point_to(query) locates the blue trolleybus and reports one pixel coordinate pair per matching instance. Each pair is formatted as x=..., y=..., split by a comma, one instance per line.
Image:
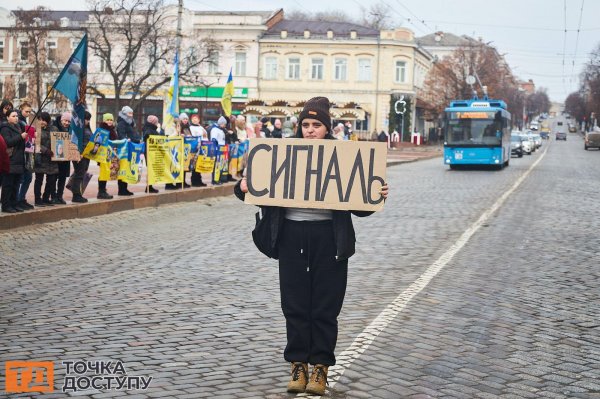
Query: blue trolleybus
x=477, y=132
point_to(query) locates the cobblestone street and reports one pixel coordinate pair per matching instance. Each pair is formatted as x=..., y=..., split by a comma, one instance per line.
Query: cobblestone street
x=180, y=293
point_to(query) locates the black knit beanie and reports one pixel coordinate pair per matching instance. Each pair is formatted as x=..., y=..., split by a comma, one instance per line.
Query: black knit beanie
x=316, y=108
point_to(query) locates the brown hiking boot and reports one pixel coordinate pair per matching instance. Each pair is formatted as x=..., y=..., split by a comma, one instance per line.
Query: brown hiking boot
x=299, y=377
x=318, y=380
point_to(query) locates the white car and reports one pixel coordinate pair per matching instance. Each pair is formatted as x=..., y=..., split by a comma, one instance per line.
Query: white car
x=528, y=144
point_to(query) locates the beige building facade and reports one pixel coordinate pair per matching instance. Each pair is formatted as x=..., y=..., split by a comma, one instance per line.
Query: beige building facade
x=361, y=70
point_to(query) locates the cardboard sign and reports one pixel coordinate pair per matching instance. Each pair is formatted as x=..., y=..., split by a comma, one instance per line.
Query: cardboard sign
x=325, y=174
x=63, y=148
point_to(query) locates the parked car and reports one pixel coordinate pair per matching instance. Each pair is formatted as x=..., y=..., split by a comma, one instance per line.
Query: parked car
x=527, y=144
x=537, y=139
x=592, y=139
x=561, y=136
x=516, y=145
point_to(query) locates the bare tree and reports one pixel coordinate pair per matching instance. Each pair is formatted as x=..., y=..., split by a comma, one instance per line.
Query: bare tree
x=377, y=16
x=447, y=79
x=324, y=16
x=40, y=67
x=136, y=43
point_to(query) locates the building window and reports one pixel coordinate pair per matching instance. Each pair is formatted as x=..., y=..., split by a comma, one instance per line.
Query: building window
x=102, y=65
x=51, y=50
x=213, y=63
x=364, y=69
x=22, y=90
x=1, y=90
x=24, y=51
x=240, y=63
x=293, y=70
x=400, y=72
x=1, y=50
x=317, y=69
x=271, y=68
x=341, y=69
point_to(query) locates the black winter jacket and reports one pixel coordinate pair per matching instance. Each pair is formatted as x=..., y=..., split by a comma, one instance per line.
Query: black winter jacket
x=343, y=229
x=127, y=131
x=150, y=129
x=12, y=136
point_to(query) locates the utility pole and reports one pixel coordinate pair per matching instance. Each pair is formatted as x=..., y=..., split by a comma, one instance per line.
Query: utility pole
x=179, y=17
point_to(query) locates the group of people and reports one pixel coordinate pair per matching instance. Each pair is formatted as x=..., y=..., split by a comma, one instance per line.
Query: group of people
x=19, y=161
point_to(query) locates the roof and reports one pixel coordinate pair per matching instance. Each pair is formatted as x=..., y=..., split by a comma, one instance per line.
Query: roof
x=51, y=15
x=297, y=27
x=444, y=39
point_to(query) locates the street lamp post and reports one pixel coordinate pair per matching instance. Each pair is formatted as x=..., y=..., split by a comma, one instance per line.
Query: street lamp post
x=206, y=86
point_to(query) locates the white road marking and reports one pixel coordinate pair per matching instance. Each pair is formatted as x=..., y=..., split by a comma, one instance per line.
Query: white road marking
x=364, y=339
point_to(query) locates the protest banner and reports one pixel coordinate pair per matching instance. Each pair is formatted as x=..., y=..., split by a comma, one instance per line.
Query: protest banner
x=325, y=174
x=236, y=156
x=190, y=150
x=63, y=148
x=221, y=165
x=129, y=158
x=97, y=148
x=165, y=159
x=109, y=169
x=206, y=157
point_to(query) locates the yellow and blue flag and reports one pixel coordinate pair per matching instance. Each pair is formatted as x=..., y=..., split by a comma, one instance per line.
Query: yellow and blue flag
x=171, y=110
x=227, y=95
x=72, y=83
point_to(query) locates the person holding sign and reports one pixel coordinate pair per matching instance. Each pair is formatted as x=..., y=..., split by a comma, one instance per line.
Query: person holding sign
x=313, y=247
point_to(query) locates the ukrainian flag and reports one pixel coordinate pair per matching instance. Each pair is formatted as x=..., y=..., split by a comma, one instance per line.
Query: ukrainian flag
x=227, y=95
x=171, y=101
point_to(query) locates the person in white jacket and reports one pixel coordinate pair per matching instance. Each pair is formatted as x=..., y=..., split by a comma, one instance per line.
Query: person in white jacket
x=218, y=132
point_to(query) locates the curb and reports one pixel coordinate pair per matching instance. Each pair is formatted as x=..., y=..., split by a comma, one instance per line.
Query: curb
x=103, y=207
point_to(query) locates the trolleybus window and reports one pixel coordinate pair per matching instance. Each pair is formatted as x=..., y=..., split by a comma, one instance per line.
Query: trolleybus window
x=467, y=128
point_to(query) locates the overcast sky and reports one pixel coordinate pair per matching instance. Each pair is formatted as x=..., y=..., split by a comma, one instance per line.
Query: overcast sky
x=531, y=33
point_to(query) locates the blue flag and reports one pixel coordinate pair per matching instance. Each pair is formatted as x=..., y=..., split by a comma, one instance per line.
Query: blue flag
x=72, y=83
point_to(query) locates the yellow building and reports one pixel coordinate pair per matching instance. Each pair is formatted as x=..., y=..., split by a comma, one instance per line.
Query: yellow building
x=363, y=71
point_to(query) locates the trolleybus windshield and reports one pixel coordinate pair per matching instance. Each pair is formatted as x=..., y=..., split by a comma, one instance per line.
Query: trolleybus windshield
x=473, y=129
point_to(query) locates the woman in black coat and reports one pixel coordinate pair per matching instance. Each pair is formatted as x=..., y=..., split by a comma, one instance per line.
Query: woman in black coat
x=313, y=247
x=15, y=143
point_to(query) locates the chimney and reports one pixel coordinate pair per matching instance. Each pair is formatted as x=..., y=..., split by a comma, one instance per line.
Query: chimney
x=284, y=34
x=306, y=33
x=329, y=34
x=353, y=34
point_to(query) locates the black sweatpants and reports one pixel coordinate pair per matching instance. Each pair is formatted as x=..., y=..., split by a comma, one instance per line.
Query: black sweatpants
x=312, y=285
x=79, y=170
x=49, y=189
x=10, y=188
x=64, y=170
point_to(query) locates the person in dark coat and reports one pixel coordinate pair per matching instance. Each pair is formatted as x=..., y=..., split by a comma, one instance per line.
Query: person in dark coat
x=313, y=247
x=4, y=160
x=80, y=168
x=108, y=124
x=27, y=176
x=64, y=167
x=265, y=128
x=277, y=133
x=150, y=128
x=126, y=125
x=5, y=106
x=15, y=143
x=126, y=130
x=45, y=167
